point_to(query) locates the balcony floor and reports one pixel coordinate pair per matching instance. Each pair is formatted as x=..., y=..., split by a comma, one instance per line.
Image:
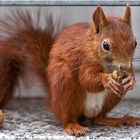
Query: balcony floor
x=29, y=118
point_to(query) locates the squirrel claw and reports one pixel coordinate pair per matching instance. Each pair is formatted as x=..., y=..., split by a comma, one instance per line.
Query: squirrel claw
x=114, y=81
x=76, y=130
x=115, y=90
x=112, y=85
x=131, y=120
x=126, y=80
x=128, y=83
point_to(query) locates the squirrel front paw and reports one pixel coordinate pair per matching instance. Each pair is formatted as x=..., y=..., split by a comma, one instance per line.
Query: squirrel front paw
x=128, y=83
x=112, y=84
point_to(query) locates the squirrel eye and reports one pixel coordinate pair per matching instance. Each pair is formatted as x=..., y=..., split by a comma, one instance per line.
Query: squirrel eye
x=105, y=46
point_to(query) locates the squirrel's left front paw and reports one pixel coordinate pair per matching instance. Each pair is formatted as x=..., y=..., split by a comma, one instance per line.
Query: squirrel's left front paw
x=128, y=83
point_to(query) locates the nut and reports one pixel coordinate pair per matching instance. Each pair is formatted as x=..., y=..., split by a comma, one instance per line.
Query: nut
x=118, y=76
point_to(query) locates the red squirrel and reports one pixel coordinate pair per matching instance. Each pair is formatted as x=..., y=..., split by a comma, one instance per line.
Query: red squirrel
x=76, y=65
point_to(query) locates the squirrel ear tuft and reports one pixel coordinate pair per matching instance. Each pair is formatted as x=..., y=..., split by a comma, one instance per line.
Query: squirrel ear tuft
x=127, y=15
x=99, y=19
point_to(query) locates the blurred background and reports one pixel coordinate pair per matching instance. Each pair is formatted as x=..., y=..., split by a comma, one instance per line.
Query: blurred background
x=71, y=15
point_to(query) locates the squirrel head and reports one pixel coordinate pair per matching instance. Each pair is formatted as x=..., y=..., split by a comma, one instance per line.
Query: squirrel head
x=113, y=41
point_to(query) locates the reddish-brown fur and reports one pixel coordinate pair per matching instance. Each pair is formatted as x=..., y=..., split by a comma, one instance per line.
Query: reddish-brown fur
x=23, y=46
x=75, y=65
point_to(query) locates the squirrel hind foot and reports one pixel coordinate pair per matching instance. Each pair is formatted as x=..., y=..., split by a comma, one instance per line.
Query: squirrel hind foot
x=75, y=129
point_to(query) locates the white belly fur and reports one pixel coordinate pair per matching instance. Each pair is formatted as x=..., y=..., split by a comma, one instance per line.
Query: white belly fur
x=93, y=103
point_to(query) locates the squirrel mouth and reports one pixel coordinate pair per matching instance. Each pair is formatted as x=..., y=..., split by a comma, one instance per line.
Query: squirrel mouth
x=109, y=68
x=110, y=65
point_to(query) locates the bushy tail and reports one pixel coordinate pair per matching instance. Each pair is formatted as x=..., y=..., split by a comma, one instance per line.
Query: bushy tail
x=23, y=44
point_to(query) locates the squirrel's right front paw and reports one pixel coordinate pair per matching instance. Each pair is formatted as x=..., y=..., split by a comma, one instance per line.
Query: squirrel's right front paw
x=111, y=84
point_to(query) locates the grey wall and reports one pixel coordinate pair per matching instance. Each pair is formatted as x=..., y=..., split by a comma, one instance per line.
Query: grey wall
x=81, y=14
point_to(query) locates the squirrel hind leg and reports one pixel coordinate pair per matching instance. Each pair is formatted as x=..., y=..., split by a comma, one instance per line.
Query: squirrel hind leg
x=126, y=120
x=66, y=98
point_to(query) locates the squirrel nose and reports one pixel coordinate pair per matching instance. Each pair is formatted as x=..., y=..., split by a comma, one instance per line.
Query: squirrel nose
x=124, y=67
